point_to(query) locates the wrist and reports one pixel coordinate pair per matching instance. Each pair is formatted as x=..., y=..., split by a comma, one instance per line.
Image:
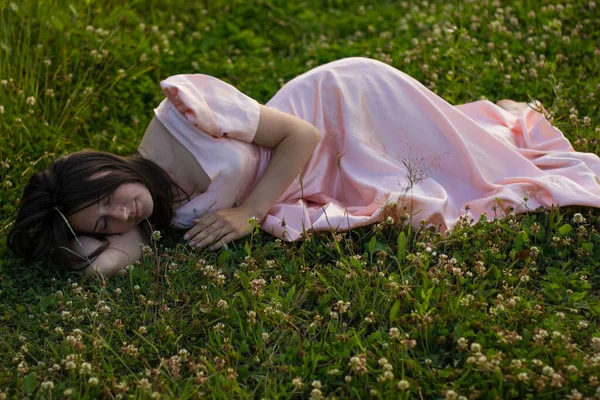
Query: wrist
x=253, y=211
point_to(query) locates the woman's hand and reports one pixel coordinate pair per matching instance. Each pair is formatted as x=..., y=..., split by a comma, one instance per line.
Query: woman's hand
x=220, y=227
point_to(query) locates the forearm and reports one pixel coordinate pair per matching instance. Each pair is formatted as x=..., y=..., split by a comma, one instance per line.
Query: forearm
x=286, y=162
x=123, y=250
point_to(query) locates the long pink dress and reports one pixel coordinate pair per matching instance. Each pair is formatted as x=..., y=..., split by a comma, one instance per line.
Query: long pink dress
x=375, y=121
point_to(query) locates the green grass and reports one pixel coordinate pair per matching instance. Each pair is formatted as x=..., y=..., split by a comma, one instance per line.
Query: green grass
x=507, y=308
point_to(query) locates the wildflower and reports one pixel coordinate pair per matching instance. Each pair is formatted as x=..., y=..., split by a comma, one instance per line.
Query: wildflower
x=144, y=384
x=523, y=376
x=257, y=286
x=462, y=343
x=30, y=101
x=251, y=317
x=68, y=392
x=85, y=369
x=93, y=381
x=386, y=376
x=578, y=218
x=403, y=385
x=359, y=364
x=222, y=304
x=1, y=109
x=297, y=382
x=156, y=236
x=142, y=330
x=557, y=380
x=450, y=395
x=48, y=385
x=547, y=370
x=475, y=347
x=316, y=394
x=147, y=250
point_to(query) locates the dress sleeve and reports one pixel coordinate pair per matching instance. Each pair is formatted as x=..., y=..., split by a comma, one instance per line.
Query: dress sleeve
x=213, y=106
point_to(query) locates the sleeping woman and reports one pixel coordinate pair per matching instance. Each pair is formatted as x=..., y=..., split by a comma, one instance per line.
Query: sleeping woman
x=331, y=151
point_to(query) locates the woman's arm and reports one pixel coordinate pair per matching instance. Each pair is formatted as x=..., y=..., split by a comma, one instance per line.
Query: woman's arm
x=294, y=140
x=123, y=250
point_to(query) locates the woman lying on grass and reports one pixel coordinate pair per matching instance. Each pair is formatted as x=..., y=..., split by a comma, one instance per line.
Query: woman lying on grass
x=332, y=150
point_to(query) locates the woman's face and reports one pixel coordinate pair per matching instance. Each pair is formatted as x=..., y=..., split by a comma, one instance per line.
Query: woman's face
x=119, y=212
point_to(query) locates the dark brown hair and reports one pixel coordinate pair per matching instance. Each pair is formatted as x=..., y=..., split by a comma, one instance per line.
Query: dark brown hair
x=40, y=230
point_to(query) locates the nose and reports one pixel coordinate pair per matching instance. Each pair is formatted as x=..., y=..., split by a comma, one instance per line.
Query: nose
x=121, y=213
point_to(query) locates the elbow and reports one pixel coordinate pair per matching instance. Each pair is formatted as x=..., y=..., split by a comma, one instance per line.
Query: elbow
x=316, y=135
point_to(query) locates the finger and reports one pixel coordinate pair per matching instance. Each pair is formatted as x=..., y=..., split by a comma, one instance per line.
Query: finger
x=212, y=238
x=199, y=233
x=204, y=217
x=223, y=241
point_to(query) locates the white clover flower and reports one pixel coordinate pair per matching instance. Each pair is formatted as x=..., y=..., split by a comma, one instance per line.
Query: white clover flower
x=547, y=370
x=144, y=384
x=1, y=109
x=450, y=395
x=578, y=218
x=222, y=304
x=523, y=376
x=85, y=369
x=93, y=381
x=30, y=101
x=48, y=385
x=316, y=394
x=403, y=385
x=297, y=382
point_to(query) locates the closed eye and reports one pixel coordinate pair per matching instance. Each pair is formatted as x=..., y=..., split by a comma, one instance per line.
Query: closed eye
x=106, y=219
